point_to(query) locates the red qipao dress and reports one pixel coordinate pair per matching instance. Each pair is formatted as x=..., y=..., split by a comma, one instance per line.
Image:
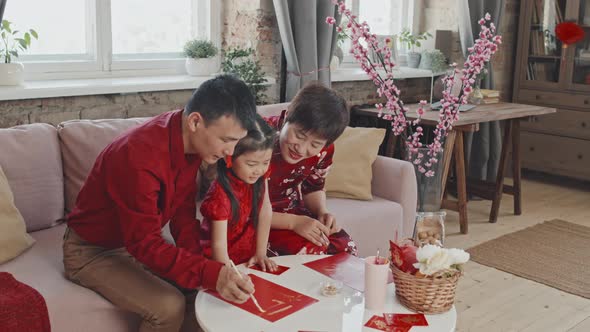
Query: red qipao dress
x=287, y=185
x=241, y=234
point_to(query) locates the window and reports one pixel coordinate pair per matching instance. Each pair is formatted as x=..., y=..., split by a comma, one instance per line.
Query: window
x=385, y=17
x=101, y=38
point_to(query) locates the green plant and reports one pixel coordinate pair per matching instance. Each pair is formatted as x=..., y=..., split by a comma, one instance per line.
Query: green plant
x=239, y=61
x=341, y=36
x=411, y=40
x=434, y=60
x=199, y=49
x=12, y=42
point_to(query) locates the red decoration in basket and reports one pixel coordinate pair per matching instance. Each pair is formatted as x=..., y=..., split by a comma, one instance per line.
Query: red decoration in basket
x=403, y=256
x=569, y=32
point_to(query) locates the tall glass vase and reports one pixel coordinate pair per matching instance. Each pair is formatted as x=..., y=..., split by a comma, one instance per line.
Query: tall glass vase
x=429, y=225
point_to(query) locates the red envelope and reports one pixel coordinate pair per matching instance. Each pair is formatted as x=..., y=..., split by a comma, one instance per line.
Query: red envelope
x=405, y=319
x=378, y=322
x=276, y=300
x=344, y=267
x=279, y=271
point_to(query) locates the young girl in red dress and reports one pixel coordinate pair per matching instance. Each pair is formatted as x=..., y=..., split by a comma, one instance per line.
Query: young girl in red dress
x=236, y=210
x=301, y=222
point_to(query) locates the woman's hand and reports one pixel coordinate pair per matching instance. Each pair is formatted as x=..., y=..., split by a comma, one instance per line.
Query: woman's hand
x=330, y=222
x=312, y=230
x=265, y=263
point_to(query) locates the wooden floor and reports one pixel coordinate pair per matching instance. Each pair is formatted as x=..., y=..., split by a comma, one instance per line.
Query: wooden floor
x=492, y=300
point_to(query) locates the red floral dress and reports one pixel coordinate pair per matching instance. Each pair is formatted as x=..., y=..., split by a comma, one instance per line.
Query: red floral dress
x=287, y=185
x=241, y=235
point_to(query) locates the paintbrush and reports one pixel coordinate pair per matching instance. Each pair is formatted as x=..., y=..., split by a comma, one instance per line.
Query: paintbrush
x=251, y=295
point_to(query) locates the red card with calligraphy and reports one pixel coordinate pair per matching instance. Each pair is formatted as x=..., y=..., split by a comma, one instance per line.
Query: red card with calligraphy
x=378, y=322
x=279, y=271
x=277, y=301
x=344, y=267
x=405, y=319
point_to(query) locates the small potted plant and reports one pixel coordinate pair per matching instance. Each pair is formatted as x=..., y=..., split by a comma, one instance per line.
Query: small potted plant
x=11, y=43
x=411, y=42
x=201, y=57
x=240, y=62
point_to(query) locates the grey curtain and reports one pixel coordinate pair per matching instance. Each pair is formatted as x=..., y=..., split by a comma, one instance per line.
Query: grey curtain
x=483, y=147
x=308, y=41
x=2, y=6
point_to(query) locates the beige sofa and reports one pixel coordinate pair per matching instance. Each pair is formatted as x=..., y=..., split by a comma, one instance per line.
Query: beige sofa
x=46, y=167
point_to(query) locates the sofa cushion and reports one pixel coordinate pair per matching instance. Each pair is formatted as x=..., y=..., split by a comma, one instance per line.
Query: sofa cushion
x=371, y=224
x=13, y=231
x=81, y=142
x=351, y=172
x=31, y=160
x=71, y=307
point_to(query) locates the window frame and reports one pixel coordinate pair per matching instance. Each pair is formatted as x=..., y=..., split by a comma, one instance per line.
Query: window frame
x=99, y=62
x=411, y=21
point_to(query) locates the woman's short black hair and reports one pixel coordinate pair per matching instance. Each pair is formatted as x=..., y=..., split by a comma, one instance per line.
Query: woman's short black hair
x=319, y=110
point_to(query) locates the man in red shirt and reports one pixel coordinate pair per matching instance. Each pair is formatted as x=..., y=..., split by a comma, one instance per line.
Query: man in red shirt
x=140, y=182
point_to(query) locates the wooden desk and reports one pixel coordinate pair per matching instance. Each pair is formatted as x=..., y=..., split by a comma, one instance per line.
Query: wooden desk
x=469, y=122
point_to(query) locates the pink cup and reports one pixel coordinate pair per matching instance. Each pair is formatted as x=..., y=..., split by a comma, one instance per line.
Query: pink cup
x=376, y=282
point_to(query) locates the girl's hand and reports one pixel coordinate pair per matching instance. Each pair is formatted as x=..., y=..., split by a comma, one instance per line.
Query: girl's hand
x=312, y=230
x=265, y=263
x=329, y=221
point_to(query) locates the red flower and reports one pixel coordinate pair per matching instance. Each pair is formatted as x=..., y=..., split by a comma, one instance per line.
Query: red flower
x=569, y=32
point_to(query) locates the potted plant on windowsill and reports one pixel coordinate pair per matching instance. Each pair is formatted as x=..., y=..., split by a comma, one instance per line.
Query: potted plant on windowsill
x=11, y=43
x=201, y=58
x=411, y=42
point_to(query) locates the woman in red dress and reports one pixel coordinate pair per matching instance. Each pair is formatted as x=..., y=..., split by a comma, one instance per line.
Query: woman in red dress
x=236, y=210
x=301, y=222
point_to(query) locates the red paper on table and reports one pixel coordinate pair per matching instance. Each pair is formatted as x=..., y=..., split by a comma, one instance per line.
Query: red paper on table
x=405, y=319
x=276, y=300
x=344, y=267
x=279, y=271
x=378, y=322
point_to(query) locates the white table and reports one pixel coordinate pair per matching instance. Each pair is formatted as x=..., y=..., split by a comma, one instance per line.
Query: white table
x=343, y=313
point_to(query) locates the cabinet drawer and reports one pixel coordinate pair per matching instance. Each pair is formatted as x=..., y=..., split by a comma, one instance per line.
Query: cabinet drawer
x=563, y=99
x=568, y=123
x=555, y=154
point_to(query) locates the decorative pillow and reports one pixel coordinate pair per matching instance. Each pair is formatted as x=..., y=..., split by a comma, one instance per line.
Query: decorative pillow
x=13, y=232
x=81, y=142
x=31, y=160
x=352, y=168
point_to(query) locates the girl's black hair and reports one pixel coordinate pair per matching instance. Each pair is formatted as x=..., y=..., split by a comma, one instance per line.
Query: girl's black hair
x=261, y=137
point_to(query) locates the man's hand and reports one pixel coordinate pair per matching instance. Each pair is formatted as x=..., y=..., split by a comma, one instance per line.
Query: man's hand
x=233, y=286
x=329, y=221
x=312, y=230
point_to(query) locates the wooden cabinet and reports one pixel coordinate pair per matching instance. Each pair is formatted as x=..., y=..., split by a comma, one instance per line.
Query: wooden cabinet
x=551, y=74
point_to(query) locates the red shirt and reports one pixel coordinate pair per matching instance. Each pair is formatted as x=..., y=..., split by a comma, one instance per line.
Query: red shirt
x=241, y=235
x=138, y=183
x=289, y=182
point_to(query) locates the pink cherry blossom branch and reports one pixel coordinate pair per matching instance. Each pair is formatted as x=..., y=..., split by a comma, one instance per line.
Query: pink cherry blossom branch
x=394, y=109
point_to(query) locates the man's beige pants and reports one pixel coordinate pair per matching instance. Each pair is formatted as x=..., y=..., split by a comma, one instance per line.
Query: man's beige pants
x=126, y=283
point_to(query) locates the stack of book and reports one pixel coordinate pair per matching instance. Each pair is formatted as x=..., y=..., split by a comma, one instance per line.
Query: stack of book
x=490, y=96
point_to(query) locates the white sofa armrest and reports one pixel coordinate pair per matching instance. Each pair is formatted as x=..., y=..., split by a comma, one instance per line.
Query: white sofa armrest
x=395, y=180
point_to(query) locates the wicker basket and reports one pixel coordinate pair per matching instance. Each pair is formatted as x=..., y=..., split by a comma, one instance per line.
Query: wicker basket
x=425, y=295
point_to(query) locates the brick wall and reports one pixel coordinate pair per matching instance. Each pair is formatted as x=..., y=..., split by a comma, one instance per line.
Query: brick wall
x=365, y=92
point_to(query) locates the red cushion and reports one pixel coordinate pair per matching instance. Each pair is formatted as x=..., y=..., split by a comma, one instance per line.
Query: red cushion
x=22, y=308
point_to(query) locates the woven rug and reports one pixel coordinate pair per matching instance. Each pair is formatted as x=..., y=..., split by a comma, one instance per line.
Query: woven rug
x=555, y=253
